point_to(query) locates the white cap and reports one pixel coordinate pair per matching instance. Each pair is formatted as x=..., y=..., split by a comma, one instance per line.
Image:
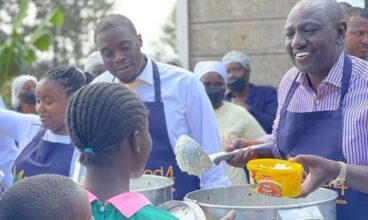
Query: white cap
x=237, y=57
x=16, y=87
x=204, y=67
x=93, y=60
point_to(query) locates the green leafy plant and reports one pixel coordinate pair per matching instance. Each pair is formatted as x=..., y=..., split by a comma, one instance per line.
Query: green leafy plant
x=17, y=51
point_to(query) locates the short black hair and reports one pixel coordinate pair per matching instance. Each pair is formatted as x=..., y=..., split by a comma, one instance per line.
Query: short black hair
x=346, y=9
x=42, y=197
x=359, y=12
x=70, y=78
x=100, y=116
x=112, y=21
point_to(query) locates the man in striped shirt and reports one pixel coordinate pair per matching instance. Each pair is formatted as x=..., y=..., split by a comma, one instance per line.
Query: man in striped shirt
x=323, y=100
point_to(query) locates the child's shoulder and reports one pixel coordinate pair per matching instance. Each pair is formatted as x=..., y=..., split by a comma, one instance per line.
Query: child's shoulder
x=153, y=213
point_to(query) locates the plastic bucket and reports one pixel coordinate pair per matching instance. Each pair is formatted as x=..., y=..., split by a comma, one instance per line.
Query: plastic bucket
x=275, y=177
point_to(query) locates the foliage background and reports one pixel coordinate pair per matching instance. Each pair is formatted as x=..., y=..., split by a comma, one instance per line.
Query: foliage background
x=71, y=42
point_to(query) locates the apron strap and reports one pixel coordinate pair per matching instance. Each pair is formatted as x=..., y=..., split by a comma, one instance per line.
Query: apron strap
x=290, y=94
x=157, y=82
x=346, y=76
x=39, y=135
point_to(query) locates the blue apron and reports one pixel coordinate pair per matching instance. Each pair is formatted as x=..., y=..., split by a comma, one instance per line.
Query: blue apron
x=40, y=157
x=320, y=133
x=162, y=160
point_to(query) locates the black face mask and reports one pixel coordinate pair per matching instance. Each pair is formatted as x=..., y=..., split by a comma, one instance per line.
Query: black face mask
x=236, y=84
x=28, y=97
x=216, y=95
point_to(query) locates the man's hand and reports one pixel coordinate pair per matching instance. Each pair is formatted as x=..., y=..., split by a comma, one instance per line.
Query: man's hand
x=242, y=157
x=230, y=216
x=321, y=170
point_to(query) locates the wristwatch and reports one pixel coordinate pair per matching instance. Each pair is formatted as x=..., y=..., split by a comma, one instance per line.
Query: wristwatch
x=340, y=179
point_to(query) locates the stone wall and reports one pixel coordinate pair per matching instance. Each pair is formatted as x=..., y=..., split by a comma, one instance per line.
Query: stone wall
x=255, y=27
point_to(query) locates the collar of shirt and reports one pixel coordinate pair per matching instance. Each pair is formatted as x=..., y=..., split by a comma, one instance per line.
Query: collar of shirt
x=56, y=138
x=145, y=76
x=334, y=77
x=127, y=203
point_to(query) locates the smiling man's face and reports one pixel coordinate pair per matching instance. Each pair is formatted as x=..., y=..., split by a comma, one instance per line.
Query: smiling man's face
x=312, y=39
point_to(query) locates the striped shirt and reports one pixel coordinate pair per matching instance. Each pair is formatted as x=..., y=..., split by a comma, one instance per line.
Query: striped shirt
x=327, y=97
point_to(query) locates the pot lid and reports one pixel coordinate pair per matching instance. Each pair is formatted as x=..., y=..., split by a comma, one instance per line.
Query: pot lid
x=184, y=210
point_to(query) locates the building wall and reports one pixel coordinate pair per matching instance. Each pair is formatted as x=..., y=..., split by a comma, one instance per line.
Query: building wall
x=256, y=27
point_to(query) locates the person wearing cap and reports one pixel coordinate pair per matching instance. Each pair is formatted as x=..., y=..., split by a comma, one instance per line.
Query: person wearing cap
x=94, y=64
x=233, y=120
x=260, y=101
x=23, y=94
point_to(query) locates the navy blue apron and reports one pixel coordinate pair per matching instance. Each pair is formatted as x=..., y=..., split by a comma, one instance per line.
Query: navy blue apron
x=162, y=160
x=320, y=133
x=40, y=157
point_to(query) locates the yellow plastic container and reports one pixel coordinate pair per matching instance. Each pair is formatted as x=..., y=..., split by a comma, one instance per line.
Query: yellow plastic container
x=275, y=177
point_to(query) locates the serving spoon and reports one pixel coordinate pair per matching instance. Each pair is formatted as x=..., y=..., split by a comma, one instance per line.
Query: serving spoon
x=191, y=157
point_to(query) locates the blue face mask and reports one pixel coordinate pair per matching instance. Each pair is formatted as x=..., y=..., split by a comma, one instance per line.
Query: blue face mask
x=28, y=97
x=236, y=84
x=216, y=95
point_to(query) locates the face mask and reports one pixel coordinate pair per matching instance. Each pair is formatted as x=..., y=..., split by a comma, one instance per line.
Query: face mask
x=236, y=84
x=28, y=97
x=216, y=95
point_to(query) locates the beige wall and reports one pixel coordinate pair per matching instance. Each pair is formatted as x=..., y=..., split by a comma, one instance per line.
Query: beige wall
x=256, y=27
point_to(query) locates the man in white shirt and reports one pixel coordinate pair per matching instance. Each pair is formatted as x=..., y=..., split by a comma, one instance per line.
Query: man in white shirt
x=8, y=153
x=176, y=101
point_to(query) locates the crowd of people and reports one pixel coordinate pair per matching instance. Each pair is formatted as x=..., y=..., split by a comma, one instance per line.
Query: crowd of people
x=120, y=118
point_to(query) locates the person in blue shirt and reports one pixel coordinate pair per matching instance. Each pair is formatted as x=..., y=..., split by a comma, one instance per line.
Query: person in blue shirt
x=260, y=101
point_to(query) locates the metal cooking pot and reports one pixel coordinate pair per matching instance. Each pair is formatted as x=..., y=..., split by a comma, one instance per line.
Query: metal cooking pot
x=157, y=189
x=217, y=202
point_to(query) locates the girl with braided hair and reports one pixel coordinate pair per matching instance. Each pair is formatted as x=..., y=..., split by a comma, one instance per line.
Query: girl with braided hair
x=109, y=126
x=44, y=145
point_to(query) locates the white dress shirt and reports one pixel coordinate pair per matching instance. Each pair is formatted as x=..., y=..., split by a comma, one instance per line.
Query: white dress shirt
x=8, y=153
x=187, y=111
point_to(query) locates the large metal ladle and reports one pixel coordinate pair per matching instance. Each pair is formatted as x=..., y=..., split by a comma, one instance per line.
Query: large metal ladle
x=192, y=159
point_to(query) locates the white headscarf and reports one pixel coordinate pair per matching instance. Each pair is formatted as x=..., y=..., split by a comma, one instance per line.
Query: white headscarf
x=204, y=67
x=93, y=60
x=237, y=57
x=16, y=87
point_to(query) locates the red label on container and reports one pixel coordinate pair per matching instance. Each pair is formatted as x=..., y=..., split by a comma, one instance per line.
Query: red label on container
x=269, y=188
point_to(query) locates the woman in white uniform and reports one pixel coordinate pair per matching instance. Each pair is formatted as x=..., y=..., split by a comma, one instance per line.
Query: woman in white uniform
x=232, y=120
x=22, y=94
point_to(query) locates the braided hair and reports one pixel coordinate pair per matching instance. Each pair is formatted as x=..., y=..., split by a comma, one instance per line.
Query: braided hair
x=100, y=116
x=69, y=78
x=112, y=21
